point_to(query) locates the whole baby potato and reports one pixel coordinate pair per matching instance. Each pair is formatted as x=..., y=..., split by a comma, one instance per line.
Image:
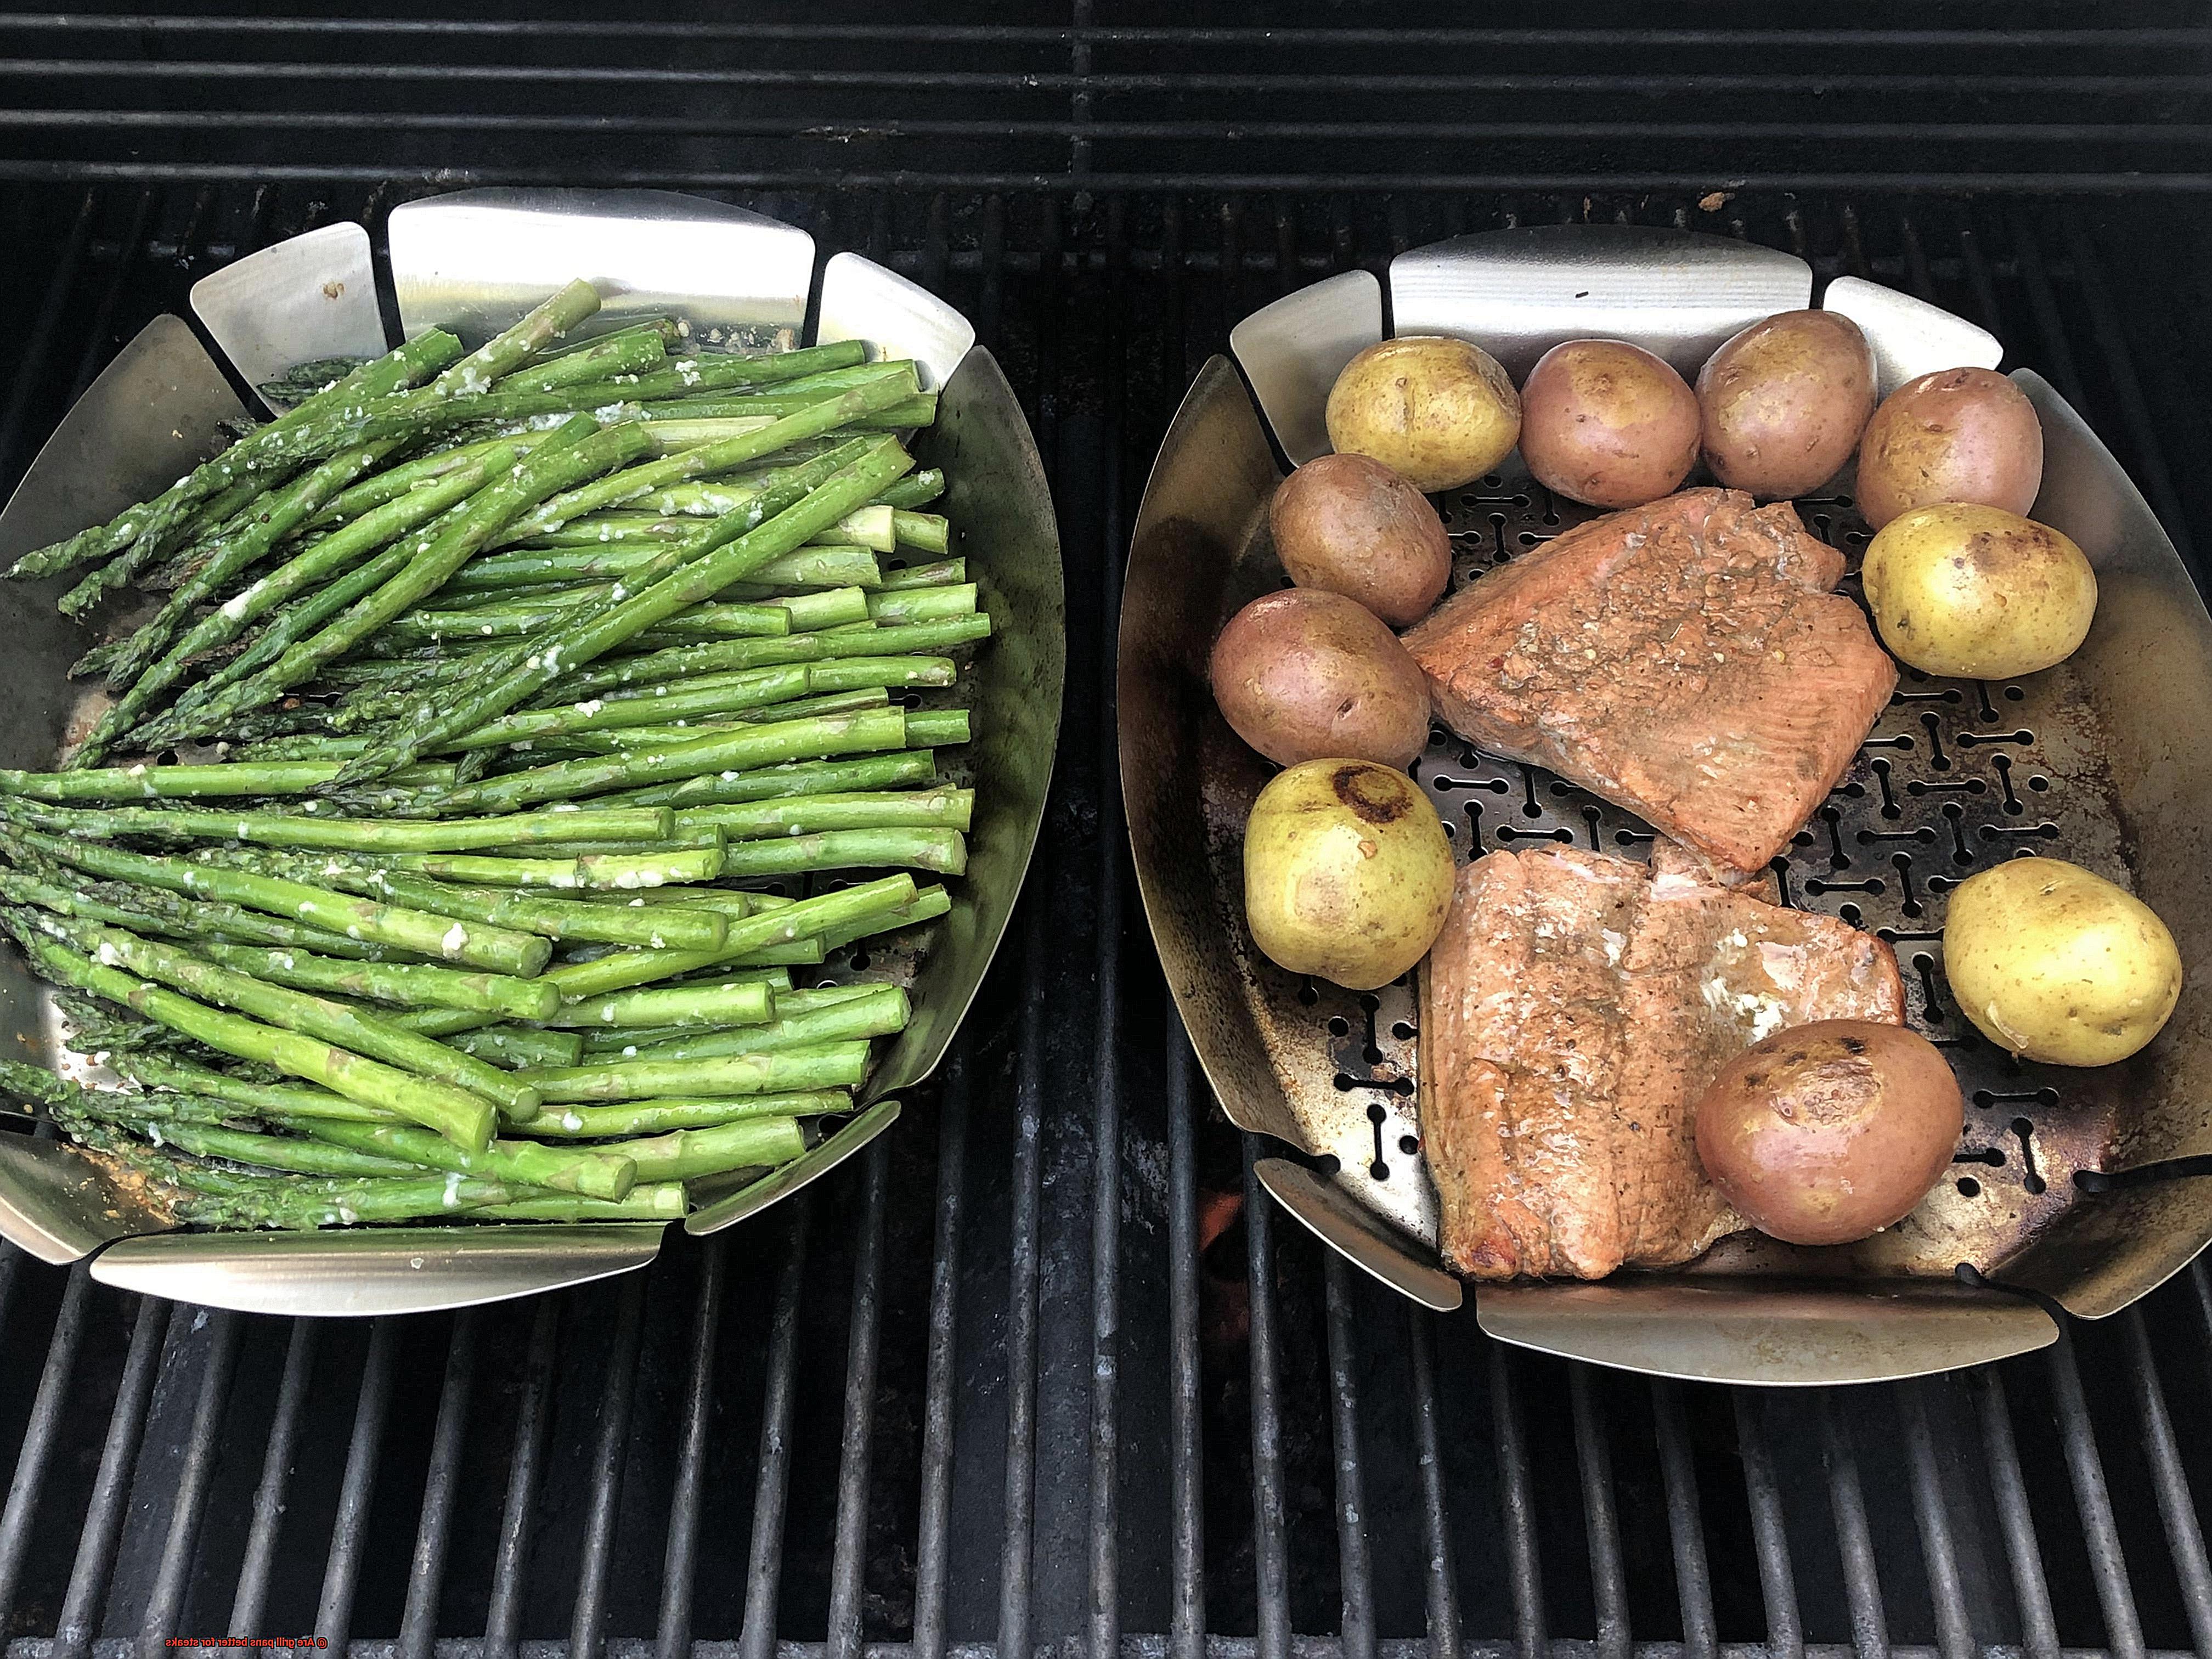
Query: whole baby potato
x=1978, y=591
x=1304, y=673
x=1959, y=435
x=1607, y=422
x=1347, y=874
x=1782, y=404
x=1826, y=1132
x=1438, y=412
x=1349, y=524
x=2058, y=964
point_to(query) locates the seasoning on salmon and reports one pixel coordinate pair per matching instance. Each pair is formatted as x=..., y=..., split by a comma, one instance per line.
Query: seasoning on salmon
x=1573, y=1010
x=1685, y=659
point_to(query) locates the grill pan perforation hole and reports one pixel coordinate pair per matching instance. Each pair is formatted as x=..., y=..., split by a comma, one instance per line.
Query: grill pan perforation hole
x=2024, y=1131
x=1969, y=1188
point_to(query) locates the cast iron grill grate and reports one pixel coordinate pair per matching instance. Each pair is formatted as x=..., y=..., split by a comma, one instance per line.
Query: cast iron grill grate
x=872, y=1418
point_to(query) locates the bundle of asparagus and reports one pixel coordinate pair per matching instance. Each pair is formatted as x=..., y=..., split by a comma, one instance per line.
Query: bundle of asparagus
x=529, y=666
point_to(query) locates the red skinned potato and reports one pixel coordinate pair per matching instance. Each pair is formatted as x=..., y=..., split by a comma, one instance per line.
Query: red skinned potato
x=1782, y=403
x=1608, y=423
x=1829, y=1132
x=1349, y=524
x=1308, y=675
x=1959, y=435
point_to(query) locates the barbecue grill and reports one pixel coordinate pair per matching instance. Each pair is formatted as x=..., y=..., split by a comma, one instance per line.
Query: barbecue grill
x=970, y=1392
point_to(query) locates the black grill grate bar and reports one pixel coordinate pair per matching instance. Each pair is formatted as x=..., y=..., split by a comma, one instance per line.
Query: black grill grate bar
x=1516, y=1503
x=1694, y=1583
x=1025, y=1242
x=587, y=1630
x=511, y=1555
x=2126, y=386
x=30, y=366
x=418, y=1620
x=2023, y=1552
x=1026, y=83
x=250, y=1595
x=94, y=356
x=1355, y=1571
x=1105, y=1628
x=1440, y=1582
x=41, y=1434
x=933, y=1533
x=1600, y=1519
x=1854, y=1539
x=1778, y=1580
x=848, y=1562
x=91, y=25
x=164, y=1605
x=2093, y=1501
x=357, y=1488
x=772, y=1482
x=1954, y=1636
x=111, y=1488
x=2184, y=1537
x=1271, y=1561
x=1187, y=1522
x=707, y=123
x=680, y=1561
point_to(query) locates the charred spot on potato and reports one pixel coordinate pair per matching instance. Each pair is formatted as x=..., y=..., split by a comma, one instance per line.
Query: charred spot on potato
x=1375, y=795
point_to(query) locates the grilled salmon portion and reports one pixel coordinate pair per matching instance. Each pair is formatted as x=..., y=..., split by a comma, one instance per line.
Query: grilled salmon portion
x=1685, y=659
x=1572, y=1011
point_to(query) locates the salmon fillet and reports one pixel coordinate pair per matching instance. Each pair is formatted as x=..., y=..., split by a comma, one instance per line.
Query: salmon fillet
x=1573, y=1010
x=1684, y=660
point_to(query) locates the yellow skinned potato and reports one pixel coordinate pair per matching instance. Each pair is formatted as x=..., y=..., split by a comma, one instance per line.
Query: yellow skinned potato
x=1347, y=874
x=2058, y=964
x=1438, y=411
x=1979, y=592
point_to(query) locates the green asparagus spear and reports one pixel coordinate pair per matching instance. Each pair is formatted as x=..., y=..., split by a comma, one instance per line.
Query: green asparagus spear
x=720, y=371
x=153, y=524
x=354, y=1029
x=269, y=1152
x=788, y=927
x=283, y=1102
x=407, y=984
x=663, y=1116
x=831, y=1066
x=550, y=467
x=149, y=910
x=496, y=949
x=601, y=1172
x=512, y=1046
x=511, y=347
x=807, y=815
x=942, y=851
x=938, y=574
x=145, y=782
x=766, y=744
x=740, y=1004
x=642, y=824
x=687, y=1154
x=658, y=1200
x=883, y=1011
x=329, y=556
x=697, y=571
x=536, y=913
x=770, y=783
x=462, y=1117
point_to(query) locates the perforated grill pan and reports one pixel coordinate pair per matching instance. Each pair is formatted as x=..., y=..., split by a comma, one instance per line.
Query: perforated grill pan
x=2058, y=1190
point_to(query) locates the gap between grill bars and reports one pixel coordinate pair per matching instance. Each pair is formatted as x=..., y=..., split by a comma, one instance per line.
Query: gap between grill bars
x=1038, y=1374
